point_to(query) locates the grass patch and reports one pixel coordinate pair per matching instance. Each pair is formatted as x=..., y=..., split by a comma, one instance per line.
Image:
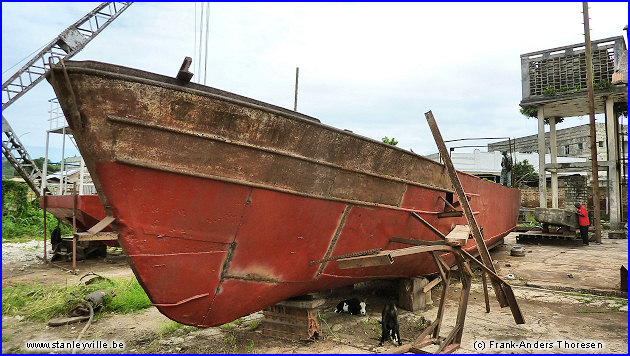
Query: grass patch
x=231, y=342
x=169, y=327
x=250, y=348
x=229, y=327
x=254, y=324
x=41, y=303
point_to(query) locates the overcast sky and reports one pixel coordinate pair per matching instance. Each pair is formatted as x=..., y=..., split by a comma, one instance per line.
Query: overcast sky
x=373, y=68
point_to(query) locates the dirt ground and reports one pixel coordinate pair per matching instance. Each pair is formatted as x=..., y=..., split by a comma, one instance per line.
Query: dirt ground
x=553, y=283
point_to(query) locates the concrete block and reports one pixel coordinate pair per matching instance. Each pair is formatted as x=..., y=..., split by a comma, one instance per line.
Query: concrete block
x=558, y=217
x=411, y=295
x=618, y=234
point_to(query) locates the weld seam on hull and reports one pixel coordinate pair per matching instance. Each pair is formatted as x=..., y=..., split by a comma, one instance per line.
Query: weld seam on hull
x=251, y=279
x=137, y=163
x=181, y=301
x=175, y=254
x=333, y=242
x=212, y=137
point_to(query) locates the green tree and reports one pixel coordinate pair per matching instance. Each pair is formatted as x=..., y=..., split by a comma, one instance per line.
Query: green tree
x=23, y=219
x=392, y=142
x=39, y=162
x=524, y=172
x=7, y=169
x=532, y=111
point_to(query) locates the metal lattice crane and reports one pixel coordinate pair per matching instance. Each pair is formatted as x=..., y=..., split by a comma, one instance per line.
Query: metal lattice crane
x=64, y=46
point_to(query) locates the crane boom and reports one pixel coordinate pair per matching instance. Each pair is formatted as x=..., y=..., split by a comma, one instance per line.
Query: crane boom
x=64, y=46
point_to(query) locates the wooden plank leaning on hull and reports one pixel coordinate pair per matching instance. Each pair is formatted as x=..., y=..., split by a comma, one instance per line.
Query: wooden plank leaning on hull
x=481, y=245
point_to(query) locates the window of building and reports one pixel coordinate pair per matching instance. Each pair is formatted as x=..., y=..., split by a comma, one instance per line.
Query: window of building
x=601, y=143
x=566, y=149
x=580, y=146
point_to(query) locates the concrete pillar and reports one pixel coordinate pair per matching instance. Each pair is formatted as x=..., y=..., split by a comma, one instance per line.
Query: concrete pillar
x=542, y=181
x=612, y=137
x=554, y=159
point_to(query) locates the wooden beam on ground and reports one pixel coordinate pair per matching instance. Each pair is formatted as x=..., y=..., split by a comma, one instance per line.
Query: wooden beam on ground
x=385, y=258
x=461, y=195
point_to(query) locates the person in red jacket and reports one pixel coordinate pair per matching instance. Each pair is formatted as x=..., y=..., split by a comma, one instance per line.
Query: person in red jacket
x=583, y=222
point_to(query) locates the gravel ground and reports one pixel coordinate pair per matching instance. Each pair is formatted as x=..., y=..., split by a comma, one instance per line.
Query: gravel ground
x=20, y=255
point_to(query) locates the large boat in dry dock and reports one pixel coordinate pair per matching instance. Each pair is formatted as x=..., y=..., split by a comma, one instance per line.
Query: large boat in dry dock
x=226, y=205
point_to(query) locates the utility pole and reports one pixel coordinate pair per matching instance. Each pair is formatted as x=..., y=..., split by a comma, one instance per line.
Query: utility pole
x=297, y=75
x=591, y=113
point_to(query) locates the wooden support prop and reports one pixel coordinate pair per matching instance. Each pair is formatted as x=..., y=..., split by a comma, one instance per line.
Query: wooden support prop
x=441, y=269
x=450, y=214
x=431, y=284
x=438, y=319
x=450, y=349
x=447, y=204
x=458, y=236
x=472, y=223
x=466, y=280
x=442, y=262
x=485, y=290
x=101, y=225
x=426, y=223
x=385, y=258
x=505, y=288
x=415, y=242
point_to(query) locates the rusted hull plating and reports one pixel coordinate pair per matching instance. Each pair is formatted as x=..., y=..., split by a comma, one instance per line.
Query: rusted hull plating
x=222, y=202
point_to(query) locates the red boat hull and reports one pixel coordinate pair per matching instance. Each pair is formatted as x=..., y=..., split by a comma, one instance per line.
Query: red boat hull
x=197, y=245
x=224, y=204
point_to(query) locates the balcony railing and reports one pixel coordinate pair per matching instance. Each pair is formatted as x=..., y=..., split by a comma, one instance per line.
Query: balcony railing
x=562, y=70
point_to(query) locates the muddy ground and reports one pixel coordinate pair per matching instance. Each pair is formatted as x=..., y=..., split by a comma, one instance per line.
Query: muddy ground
x=552, y=284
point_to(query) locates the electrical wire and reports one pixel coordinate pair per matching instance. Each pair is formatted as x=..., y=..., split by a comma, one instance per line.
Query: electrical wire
x=205, y=68
x=195, y=31
x=25, y=58
x=200, y=44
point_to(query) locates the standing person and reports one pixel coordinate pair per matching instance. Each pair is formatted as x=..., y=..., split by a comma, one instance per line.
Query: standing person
x=506, y=169
x=583, y=222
